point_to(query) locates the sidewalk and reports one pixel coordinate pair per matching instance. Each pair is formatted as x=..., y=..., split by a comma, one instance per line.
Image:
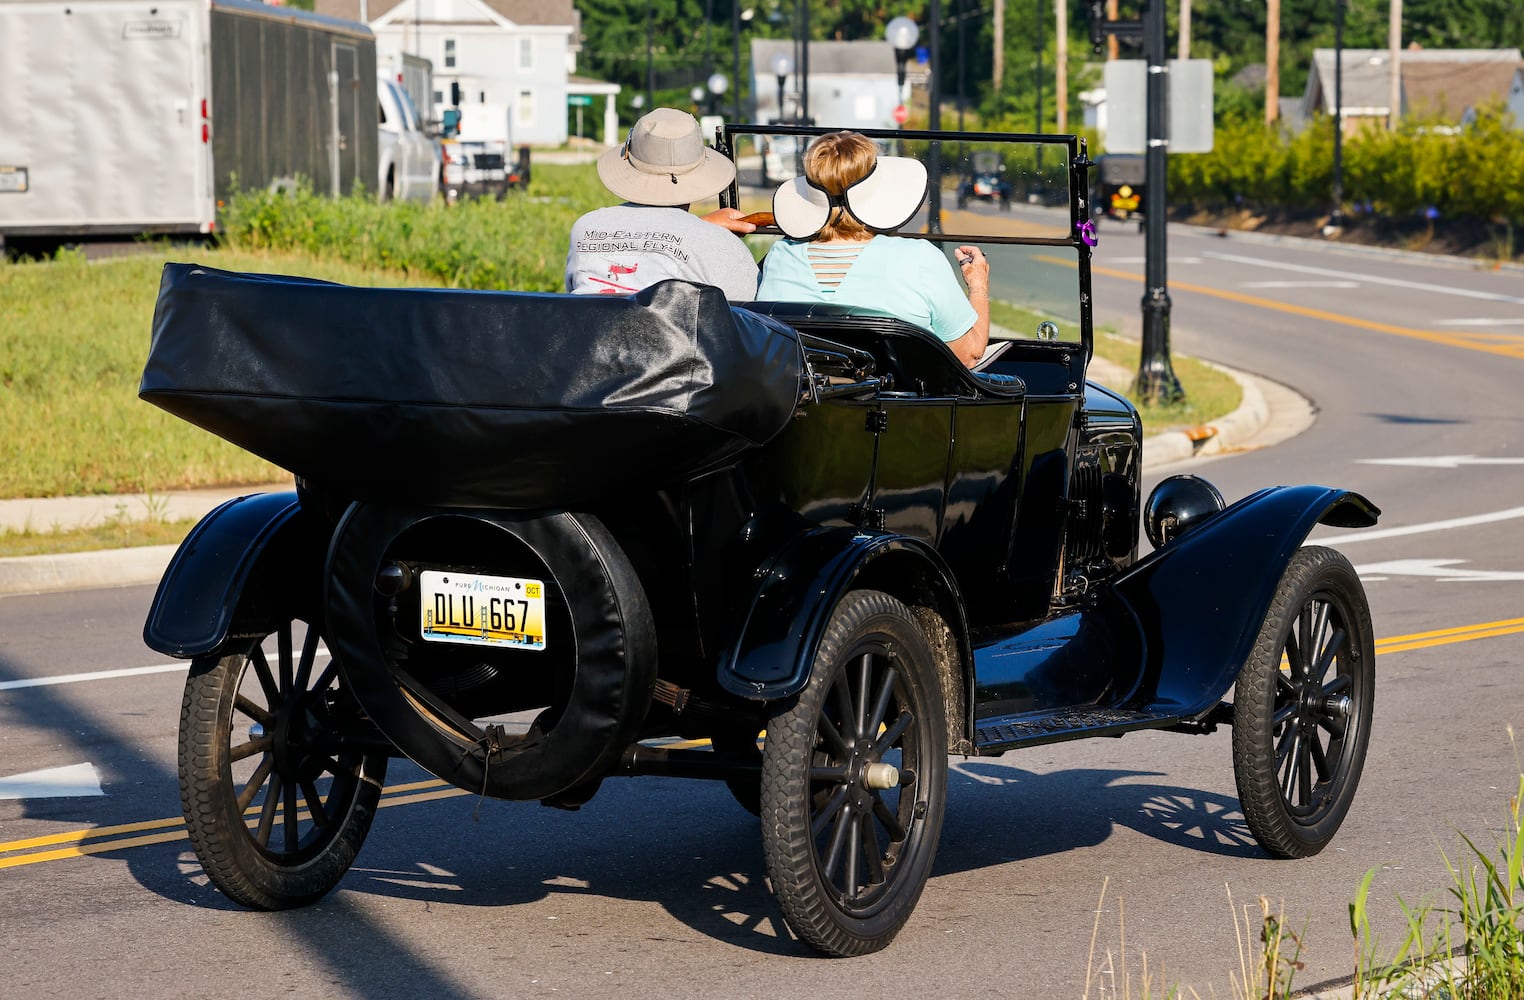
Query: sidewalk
x=1269, y=413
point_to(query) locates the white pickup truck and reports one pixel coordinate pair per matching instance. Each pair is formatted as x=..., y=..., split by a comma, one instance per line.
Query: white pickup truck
x=409, y=162
x=479, y=158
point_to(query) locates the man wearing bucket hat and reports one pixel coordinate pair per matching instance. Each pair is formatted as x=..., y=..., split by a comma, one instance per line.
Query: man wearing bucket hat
x=662, y=168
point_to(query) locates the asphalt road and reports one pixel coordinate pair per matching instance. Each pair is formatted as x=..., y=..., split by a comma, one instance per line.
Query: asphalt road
x=656, y=888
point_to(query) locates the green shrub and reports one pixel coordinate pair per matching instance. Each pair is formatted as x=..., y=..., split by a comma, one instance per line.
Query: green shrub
x=1475, y=173
x=517, y=243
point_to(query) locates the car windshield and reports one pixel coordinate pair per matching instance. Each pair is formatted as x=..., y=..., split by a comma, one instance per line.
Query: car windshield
x=1029, y=236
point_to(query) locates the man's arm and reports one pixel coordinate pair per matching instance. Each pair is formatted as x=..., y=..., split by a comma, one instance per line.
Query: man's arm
x=730, y=218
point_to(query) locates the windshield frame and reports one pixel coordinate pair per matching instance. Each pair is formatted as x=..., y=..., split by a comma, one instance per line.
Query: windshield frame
x=1079, y=164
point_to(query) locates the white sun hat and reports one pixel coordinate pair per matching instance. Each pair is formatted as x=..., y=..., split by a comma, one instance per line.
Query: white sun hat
x=665, y=162
x=883, y=200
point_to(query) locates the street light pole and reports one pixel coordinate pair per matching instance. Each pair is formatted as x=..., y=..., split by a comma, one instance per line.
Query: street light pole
x=782, y=66
x=901, y=33
x=717, y=86
x=934, y=121
x=1156, y=381
x=804, y=62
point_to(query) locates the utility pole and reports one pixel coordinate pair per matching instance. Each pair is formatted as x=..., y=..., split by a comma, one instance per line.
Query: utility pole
x=1336, y=217
x=1394, y=56
x=1040, y=46
x=999, y=50
x=1273, y=62
x=1156, y=381
x=1061, y=33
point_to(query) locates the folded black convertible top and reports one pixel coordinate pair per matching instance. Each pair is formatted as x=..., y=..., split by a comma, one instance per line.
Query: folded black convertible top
x=431, y=396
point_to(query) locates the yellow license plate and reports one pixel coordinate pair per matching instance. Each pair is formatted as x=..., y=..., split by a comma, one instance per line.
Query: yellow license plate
x=501, y=611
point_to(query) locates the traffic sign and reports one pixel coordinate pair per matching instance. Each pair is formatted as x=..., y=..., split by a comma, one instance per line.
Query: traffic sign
x=901, y=115
x=579, y=100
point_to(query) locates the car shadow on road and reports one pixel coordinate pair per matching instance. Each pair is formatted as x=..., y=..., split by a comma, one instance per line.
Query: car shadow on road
x=1038, y=814
x=689, y=848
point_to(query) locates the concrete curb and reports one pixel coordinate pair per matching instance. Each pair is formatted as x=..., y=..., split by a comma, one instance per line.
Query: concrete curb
x=1269, y=413
x=84, y=570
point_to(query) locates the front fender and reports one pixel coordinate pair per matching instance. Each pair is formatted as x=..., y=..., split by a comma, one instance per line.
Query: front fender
x=797, y=590
x=198, y=601
x=1198, y=603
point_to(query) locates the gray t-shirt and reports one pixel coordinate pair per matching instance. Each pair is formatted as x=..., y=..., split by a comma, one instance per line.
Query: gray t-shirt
x=624, y=248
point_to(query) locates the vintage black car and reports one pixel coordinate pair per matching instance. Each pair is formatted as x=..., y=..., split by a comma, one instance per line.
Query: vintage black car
x=984, y=180
x=535, y=539
x=1117, y=187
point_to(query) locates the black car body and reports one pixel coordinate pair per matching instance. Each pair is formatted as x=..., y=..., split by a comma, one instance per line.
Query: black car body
x=543, y=536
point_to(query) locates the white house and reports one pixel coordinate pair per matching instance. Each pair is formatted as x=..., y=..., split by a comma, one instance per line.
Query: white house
x=513, y=54
x=851, y=84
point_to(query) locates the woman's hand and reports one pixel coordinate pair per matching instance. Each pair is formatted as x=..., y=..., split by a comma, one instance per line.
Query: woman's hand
x=976, y=269
x=731, y=219
x=969, y=348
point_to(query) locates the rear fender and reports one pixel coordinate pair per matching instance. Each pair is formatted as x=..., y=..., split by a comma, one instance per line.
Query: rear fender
x=235, y=566
x=1198, y=603
x=798, y=589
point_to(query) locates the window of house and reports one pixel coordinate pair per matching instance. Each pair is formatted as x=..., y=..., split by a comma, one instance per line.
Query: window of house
x=526, y=107
x=526, y=53
x=449, y=59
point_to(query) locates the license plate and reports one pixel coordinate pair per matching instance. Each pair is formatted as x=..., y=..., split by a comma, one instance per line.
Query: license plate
x=13, y=180
x=982, y=189
x=505, y=612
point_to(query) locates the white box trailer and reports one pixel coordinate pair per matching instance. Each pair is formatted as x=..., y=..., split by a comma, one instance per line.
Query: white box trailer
x=122, y=117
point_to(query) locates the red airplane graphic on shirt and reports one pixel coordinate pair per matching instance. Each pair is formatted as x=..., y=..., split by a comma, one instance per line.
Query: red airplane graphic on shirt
x=615, y=271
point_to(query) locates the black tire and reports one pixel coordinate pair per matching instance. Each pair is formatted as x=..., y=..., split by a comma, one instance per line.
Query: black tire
x=1300, y=731
x=263, y=741
x=389, y=189
x=848, y=861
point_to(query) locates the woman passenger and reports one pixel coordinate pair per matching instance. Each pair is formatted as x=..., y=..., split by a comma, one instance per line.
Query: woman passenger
x=847, y=262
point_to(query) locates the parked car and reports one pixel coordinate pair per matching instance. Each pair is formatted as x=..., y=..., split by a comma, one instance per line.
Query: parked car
x=410, y=160
x=537, y=569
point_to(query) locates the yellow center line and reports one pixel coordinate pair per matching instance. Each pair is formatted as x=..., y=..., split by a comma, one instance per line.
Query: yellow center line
x=433, y=789
x=1513, y=349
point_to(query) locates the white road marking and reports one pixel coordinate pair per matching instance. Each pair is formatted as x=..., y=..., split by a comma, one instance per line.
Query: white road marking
x=96, y=675
x=73, y=781
x=1435, y=568
x=1374, y=279
x=1419, y=529
x=1441, y=461
x=1480, y=322
x=110, y=675
x=1299, y=284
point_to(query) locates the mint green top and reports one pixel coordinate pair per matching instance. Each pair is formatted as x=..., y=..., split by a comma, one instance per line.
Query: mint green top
x=906, y=278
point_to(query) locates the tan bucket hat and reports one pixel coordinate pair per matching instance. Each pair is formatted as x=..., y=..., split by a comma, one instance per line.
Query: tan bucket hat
x=665, y=162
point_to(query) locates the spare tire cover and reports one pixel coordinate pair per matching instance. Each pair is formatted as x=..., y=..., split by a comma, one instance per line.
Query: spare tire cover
x=614, y=657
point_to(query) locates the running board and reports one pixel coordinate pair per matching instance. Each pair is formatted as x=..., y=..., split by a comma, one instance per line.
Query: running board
x=996, y=735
